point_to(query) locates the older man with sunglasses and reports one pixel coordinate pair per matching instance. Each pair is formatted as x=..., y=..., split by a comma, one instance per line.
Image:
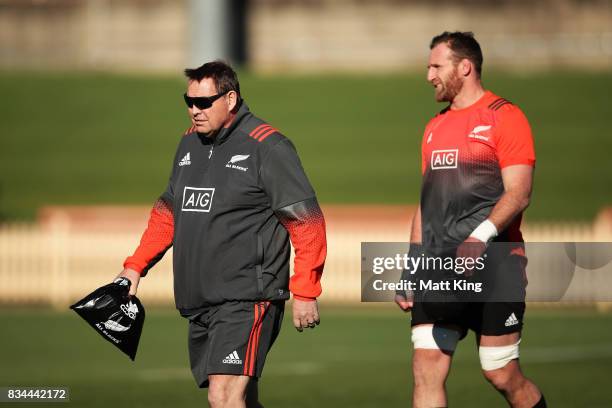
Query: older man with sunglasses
x=237, y=194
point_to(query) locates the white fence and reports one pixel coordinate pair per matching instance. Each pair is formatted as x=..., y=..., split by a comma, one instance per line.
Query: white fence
x=56, y=264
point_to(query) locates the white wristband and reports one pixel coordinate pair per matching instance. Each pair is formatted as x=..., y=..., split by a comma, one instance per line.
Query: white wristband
x=485, y=231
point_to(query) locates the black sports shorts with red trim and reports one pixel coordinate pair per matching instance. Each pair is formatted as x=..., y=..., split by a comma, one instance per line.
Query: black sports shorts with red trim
x=233, y=338
x=502, y=311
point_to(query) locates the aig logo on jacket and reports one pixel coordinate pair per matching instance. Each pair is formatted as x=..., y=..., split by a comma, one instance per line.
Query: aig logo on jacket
x=197, y=199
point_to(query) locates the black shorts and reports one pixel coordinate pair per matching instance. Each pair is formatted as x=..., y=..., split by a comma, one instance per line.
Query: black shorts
x=233, y=338
x=487, y=318
x=501, y=310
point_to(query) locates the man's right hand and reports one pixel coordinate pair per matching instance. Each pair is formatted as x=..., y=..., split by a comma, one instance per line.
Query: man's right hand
x=134, y=278
x=305, y=314
x=404, y=303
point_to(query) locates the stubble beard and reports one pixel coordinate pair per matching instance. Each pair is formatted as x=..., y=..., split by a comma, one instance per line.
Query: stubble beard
x=450, y=88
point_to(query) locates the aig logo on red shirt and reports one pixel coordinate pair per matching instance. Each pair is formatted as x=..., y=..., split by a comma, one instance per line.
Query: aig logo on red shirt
x=444, y=159
x=197, y=199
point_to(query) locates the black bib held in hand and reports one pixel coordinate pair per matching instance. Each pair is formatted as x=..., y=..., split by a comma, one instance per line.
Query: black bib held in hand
x=113, y=313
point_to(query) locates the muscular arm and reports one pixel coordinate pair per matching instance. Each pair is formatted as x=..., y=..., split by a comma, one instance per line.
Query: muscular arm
x=518, y=181
x=516, y=156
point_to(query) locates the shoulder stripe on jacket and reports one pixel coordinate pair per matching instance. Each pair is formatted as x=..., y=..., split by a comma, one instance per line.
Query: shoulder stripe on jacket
x=268, y=133
x=259, y=130
x=262, y=131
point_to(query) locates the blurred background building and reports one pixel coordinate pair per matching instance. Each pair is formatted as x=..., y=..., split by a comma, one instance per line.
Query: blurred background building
x=307, y=35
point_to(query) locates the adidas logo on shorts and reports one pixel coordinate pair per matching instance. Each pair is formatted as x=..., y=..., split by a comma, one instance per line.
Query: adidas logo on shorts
x=232, y=358
x=511, y=320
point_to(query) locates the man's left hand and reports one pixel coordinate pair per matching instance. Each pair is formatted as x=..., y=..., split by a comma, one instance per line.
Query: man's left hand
x=305, y=314
x=471, y=248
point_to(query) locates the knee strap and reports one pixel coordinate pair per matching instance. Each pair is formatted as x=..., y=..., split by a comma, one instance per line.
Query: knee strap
x=494, y=357
x=435, y=337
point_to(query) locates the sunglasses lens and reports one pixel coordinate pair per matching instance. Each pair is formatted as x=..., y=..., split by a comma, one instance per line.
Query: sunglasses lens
x=202, y=103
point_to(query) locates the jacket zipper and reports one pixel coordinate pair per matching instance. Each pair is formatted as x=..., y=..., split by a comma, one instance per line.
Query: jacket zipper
x=210, y=153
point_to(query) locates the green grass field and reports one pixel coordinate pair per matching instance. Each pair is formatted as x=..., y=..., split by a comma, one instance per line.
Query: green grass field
x=358, y=357
x=77, y=138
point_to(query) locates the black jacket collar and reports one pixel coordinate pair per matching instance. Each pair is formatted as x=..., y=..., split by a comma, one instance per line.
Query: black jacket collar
x=224, y=134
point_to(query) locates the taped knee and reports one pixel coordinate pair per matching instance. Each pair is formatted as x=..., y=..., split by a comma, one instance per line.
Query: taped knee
x=436, y=338
x=494, y=357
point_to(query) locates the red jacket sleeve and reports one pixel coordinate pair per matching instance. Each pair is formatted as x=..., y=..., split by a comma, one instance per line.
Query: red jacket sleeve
x=156, y=239
x=306, y=226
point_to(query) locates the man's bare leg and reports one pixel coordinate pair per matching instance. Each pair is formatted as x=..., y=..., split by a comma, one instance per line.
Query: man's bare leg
x=232, y=391
x=517, y=389
x=430, y=367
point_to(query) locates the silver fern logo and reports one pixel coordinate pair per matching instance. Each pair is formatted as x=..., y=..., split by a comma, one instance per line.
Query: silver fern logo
x=235, y=159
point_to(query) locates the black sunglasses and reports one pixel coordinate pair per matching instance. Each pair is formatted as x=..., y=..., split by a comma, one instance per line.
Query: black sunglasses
x=202, y=102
